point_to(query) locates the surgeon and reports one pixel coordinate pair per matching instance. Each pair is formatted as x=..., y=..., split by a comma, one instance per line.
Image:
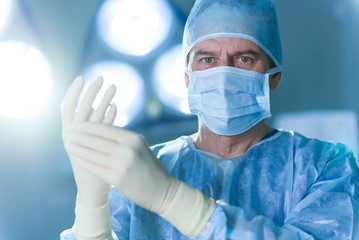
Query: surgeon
x=236, y=178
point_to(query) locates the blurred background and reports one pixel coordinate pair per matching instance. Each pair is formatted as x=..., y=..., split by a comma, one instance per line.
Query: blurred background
x=136, y=44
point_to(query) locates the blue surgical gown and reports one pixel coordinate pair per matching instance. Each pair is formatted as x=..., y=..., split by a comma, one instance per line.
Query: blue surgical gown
x=286, y=186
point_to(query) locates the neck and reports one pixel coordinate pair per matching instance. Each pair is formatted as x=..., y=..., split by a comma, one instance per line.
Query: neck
x=229, y=146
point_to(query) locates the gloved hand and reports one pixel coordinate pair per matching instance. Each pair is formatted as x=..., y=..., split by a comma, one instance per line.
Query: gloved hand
x=122, y=158
x=92, y=192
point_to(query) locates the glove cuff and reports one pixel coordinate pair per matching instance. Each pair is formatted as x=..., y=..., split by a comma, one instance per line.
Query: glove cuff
x=93, y=223
x=189, y=210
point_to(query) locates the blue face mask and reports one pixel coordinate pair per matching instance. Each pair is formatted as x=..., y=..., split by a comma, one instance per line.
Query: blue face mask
x=229, y=100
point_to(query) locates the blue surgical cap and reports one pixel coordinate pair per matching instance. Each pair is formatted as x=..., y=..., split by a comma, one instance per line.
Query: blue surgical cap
x=255, y=20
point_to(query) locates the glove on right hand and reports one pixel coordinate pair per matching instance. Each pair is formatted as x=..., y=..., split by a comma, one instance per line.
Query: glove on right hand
x=92, y=219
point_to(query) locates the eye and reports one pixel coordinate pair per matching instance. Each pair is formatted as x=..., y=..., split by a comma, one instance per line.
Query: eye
x=244, y=59
x=207, y=60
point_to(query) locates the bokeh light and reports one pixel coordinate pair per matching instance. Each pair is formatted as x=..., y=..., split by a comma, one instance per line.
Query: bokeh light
x=130, y=93
x=26, y=79
x=134, y=27
x=6, y=8
x=168, y=82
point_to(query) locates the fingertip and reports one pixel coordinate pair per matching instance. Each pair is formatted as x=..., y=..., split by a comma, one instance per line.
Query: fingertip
x=97, y=84
x=112, y=110
x=114, y=107
x=77, y=84
x=99, y=79
x=73, y=92
x=111, y=89
x=79, y=80
x=112, y=86
x=111, y=114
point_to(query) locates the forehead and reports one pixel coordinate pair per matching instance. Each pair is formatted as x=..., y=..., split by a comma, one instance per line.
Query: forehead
x=227, y=44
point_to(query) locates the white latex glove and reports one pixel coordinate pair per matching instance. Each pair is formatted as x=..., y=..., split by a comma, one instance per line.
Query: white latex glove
x=92, y=210
x=122, y=158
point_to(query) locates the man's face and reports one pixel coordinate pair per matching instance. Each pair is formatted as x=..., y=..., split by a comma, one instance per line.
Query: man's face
x=233, y=52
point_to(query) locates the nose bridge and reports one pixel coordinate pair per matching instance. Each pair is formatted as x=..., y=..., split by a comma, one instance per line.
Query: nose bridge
x=226, y=59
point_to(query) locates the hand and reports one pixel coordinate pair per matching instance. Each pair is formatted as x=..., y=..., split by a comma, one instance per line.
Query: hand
x=92, y=191
x=122, y=158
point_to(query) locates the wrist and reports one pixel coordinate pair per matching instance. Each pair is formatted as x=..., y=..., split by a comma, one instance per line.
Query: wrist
x=93, y=223
x=189, y=210
x=90, y=200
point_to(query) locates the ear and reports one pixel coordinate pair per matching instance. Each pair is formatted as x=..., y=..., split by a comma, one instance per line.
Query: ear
x=186, y=79
x=274, y=80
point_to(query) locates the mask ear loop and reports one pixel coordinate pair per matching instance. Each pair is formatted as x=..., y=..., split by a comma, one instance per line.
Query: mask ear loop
x=267, y=89
x=274, y=70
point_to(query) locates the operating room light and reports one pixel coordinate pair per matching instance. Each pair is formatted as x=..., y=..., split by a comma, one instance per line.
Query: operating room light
x=134, y=27
x=130, y=93
x=168, y=81
x=5, y=12
x=26, y=78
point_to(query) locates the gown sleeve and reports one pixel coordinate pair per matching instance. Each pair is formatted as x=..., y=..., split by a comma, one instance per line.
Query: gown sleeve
x=329, y=210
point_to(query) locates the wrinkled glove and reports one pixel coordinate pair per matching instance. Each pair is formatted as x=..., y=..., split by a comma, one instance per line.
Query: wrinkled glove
x=92, y=208
x=122, y=158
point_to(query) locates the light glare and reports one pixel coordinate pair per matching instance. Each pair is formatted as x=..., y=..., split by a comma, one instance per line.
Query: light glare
x=134, y=27
x=130, y=92
x=5, y=12
x=184, y=106
x=169, y=81
x=26, y=79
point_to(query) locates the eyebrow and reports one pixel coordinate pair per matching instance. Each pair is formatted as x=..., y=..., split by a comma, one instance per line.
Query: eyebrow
x=201, y=53
x=211, y=53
